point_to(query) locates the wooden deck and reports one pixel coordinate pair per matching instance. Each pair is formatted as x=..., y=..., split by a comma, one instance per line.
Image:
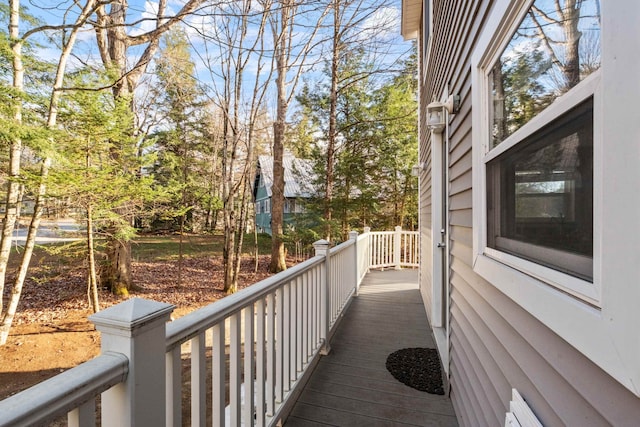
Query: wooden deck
x=351, y=386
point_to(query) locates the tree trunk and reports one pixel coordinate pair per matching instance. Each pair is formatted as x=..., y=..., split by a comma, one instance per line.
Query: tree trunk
x=278, y=257
x=333, y=108
x=277, y=198
x=257, y=254
x=116, y=270
x=93, y=277
x=571, y=69
x=15, y=150
x=7, y=318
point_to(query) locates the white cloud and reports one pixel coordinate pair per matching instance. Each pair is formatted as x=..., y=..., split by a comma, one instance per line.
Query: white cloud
x=383, y=24
x=147, y=18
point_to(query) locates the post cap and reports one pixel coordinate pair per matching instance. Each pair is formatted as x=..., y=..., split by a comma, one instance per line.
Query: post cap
x=130, y=315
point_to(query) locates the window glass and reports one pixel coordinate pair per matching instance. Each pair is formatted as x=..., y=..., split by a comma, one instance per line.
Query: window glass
x=555, y=47
x=540, y=195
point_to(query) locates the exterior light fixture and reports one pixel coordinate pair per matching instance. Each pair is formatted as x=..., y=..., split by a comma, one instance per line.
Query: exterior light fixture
x=415, y=170
x=436, y=116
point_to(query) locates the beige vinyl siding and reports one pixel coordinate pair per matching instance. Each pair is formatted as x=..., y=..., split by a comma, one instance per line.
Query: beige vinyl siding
x=424, y=157
x=494, y=344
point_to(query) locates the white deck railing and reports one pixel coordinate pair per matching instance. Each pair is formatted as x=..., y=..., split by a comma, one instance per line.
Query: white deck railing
x=249, y=352
x=393, y=248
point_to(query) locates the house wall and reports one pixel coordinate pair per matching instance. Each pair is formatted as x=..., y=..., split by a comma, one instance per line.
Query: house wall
x=494, y=344
x=263, y=220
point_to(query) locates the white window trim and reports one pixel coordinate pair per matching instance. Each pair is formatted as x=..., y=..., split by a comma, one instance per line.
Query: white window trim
x=601, y=323
x=582, y=289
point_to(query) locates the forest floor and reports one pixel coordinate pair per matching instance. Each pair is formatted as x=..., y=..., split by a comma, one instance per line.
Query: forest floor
x=51, y=332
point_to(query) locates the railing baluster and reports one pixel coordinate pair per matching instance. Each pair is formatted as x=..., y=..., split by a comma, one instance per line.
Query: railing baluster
x=271, y=355
x=290, y=369
x=235, y=368
x=318, y=304
x=299, y=328
x=84, y=415
x=198, y=381
x=218, y=362
x=249, y=366
x=286, y=337
x=279, y=346
x=260, y=363
x=174, y=387
x=309, y=331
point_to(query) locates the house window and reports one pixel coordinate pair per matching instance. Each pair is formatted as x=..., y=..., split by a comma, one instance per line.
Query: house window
x=267, y=206
x=257, y=207
x=540, y=195
x=287, y=204
x=555, y=170
x=540, y=156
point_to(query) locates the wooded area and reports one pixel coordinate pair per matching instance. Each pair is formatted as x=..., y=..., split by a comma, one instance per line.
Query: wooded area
x=132, y=116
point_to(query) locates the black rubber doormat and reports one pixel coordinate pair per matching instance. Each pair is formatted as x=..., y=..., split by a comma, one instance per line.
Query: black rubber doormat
x=418, y=368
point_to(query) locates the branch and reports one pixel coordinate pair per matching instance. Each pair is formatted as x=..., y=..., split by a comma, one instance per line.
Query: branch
x=189, y=7
x=61, y=27
x=545, y=40
x=544, y=16
x=101, y=36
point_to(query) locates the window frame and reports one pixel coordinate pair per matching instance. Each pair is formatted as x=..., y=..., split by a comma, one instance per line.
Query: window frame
x=579, y=288
x=598, y=319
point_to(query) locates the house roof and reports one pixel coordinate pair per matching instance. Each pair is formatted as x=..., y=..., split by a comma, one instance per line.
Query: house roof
x=298, y=175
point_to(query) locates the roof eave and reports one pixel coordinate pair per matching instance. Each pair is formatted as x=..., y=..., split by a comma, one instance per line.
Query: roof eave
x=411, y=16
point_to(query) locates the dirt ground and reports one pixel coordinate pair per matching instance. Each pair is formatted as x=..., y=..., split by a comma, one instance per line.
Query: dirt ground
x=51, y=332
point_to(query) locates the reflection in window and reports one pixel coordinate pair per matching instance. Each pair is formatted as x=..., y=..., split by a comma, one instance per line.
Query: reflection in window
x=555, y=47
x=540, y=195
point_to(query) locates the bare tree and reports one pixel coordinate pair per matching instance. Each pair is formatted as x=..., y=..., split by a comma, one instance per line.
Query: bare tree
x=228, y=47
x=290, y=61
x=68, y=42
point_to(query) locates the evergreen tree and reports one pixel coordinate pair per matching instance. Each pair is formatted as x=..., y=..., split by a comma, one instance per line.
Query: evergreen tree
x=181, y=162
x=90, y=170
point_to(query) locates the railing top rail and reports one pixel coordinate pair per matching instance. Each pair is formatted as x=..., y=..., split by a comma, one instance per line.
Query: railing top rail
x=64, y=392
x=194, y=323
x=378, y=233
x=341, y=247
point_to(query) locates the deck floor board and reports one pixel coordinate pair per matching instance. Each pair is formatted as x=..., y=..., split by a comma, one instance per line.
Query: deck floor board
x=351, y=386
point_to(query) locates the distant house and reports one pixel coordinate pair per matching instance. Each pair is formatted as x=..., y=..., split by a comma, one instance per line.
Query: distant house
x=297, y=186
x=529, y=207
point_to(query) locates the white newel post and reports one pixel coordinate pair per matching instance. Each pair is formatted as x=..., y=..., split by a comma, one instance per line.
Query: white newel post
x=353, y=235
x=322, y=249
x=397, y=247
x=135, y=328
